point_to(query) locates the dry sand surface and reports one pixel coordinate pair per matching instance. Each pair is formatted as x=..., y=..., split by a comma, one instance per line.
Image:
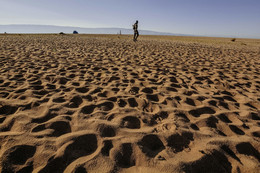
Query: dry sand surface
x=96, y=103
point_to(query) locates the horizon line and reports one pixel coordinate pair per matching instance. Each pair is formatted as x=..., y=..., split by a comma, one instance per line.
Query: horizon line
x=163, y=32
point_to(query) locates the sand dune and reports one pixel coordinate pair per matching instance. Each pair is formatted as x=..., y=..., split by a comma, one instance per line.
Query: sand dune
x=106, y=104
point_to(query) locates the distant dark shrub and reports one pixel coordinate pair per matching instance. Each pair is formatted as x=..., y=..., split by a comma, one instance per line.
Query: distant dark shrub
x=61, y=33
x=75, y=32
x=233, y=39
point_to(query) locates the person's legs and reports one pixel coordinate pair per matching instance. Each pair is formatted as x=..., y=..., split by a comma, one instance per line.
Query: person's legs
x=137, y=35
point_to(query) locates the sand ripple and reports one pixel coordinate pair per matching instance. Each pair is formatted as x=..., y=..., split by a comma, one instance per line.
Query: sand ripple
x=106, y=104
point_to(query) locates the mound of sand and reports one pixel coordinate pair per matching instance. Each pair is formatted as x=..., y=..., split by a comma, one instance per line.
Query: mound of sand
x=107, y=104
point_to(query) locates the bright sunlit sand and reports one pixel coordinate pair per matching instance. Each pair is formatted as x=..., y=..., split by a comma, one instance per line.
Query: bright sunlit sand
x=103, y=103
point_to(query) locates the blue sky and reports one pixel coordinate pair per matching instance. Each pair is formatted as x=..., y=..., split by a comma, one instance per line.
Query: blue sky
x=240, y=18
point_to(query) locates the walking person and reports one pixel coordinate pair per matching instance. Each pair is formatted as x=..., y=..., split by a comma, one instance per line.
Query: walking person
x=135, y=28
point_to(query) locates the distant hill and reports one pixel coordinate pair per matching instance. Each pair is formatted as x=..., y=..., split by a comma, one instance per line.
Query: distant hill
x=68, y=29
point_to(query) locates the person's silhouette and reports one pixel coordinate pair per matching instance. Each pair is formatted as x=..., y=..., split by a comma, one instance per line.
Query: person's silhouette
x=135, y=28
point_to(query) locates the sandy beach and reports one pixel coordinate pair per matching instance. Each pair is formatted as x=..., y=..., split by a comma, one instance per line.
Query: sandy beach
x=103, y=103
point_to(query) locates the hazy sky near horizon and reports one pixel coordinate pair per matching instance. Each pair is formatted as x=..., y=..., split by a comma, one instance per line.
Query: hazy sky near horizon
x=240, y=18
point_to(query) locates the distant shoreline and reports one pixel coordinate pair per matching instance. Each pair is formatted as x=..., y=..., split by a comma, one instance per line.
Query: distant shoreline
x=143, y=35
x=50, y=29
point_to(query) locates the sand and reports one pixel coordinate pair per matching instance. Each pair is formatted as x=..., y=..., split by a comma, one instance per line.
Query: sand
x=97, y=103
